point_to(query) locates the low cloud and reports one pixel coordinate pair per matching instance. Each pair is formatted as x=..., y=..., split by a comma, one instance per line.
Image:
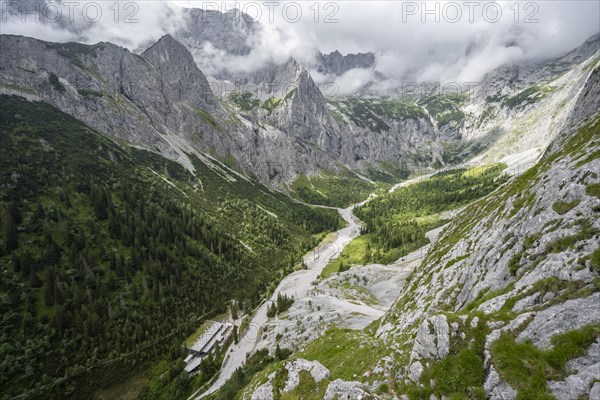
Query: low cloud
x=128, y=24
x=409, y=46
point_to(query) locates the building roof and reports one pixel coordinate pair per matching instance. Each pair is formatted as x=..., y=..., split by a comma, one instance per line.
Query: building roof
x=193, y=364
x=207, y=338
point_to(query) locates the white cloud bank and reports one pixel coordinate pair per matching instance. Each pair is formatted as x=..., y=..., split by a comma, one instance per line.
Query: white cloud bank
x=406, y=46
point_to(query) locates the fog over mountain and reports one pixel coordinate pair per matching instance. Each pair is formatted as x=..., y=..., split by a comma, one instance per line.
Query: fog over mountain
x=445, y=41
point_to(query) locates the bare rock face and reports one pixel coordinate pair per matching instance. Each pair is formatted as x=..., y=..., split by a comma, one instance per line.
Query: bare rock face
x=415, y=371
x=433, y=339
x=340, y=389
x=174, y=62
x=159, y=101
x=337, y=64
x=585, y=373
x=316, y=369
x=526, y=250
x=570, y=315
x=497, y=389
x=263, y=392
x=229, y=31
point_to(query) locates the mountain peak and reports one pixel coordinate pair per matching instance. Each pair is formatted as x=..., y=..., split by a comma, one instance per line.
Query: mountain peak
x=292, y=62
x=167, y=41
x=182, y=77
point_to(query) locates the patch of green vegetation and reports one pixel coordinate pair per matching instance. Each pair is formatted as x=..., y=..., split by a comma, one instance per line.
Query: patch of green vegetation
x=346, y=353
x=514, y=263
x=167, y=379
x=337, y=116
x=527, y=368
x=460, y=375
x=373, y=113
x=89, y=93
x=594, y=155
x=245, y=101
x=395, y=222
x=488, y=114
x=353, y=253
x=486, y=295
x=528, y=96
x=330, y=189
x=593, y=189
x=563, y=207
x=281, y=305
x=595, y=260
x=271, y=104
x=444, y=108
x=209, y=119
x=388, y=172
x=566, y=242
x=457, y=259
x=497, y=98
x=307, y=388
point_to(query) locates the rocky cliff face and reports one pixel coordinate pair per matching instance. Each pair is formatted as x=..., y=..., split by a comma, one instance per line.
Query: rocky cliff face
x=359, y=133
x=229, y=31
x=161, y=101
x=337, y=64
x=528, y=105
x=513, y=282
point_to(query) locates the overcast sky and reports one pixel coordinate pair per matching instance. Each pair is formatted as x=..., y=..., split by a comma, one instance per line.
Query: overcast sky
x=432, y=41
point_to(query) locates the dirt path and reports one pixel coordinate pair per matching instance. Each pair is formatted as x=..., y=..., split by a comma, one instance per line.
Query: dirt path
x=318, y=303
x=296, y=284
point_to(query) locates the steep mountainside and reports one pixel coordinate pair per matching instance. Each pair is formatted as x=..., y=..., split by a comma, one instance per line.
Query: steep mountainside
x=111, y=255
x=150, y=101
x=528, y=106
x=514, y=280
x=504, y=306
x=280, y=125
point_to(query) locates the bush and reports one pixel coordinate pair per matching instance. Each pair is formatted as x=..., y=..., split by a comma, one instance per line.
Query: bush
x=514, y=263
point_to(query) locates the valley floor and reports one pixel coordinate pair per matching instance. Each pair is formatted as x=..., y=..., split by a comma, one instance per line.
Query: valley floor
x=350, y=299
x=298, y=285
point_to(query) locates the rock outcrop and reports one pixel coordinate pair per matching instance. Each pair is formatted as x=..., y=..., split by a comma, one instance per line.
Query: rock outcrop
x=296, y=373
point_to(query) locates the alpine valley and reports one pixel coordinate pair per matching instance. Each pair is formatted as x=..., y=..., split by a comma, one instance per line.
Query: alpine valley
x=431, y=243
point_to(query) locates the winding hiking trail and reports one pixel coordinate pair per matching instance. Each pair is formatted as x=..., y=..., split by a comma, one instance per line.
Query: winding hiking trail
x=295, y=284
x=299, y=283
